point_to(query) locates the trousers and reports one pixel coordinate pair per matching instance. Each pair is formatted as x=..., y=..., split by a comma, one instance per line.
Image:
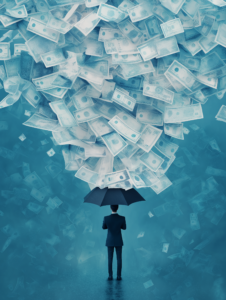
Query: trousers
x=119, y=259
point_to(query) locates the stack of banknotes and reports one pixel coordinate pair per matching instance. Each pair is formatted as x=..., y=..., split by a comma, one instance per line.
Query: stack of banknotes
x=114, y=81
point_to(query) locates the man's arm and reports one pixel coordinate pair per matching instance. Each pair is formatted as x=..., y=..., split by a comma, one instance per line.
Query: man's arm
x=124, y=224
x=104, y=226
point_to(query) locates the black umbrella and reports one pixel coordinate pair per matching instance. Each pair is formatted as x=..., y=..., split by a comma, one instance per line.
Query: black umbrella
x=107, y=196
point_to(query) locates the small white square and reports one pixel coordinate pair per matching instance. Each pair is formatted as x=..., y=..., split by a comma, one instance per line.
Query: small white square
x=22, y=137
x=148, y=284
x=51, y=152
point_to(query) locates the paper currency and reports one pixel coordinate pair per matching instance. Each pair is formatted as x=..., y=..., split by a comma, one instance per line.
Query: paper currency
x=64, y=115
x=149, y=137
x=158, y=92
x=114, y=142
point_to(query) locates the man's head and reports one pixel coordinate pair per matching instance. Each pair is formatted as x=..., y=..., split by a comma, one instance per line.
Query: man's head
x=114, y=208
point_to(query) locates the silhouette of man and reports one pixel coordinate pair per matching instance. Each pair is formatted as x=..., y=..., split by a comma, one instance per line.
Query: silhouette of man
x=114, y=223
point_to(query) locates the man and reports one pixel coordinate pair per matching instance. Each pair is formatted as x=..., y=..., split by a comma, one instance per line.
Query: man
x=114, y=223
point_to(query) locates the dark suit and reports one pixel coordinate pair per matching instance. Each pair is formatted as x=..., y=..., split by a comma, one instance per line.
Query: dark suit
x=114, y=223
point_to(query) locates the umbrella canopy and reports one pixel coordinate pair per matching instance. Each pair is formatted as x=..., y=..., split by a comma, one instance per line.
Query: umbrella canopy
x=107, y=196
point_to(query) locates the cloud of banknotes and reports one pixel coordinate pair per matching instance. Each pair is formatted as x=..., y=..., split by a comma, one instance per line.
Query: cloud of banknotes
x=114, y=81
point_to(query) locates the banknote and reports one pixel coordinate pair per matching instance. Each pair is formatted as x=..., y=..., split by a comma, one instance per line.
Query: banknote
x=148, y=49
x=194, y=221
x=39, y=28
x=131, y=122
x=87, y=175
x=161, y=185
x=140, y=98
x=172, y=27
x=107, y=34
x=166, y=147
x=129, y=30
x=45, y=82
x=133, y=70
x=118, y=125
x=91, y=75
x=221, y=115
x=125, y=5
x=158, y=92
x=41, y=122
x=221, y=35
x=148, y=115
x=151, y=160
x=100, y=126
x=209, y=81
x=207, y=43
x=86, y=114
x=167, y=46
x=5, y=52
x=110, y=13
x=10, y=99
x=32, y=96
x=116, y=177
x=149, y=177
x=53, y=58
x=210, y=62
x=88, y=23
x=18, y=48
x=136, y=180
x=7, y=20
x=149, y=137
x=207, y=24
x=125, y=46
x=124, y=100
x=182, y=74
x=64, y=115
x=114, y=142
x=153, y=26
x=17, y=12
x=173, y=6
x=129, y=150
x=58, y=24
x=192, y=46
x=190, y=8
x=93, y=3
x=174, y=130
x=108, y=110
x=162, y=13
x=69, y=135
x=81, y=101
x=165, y=247
x=140, y=12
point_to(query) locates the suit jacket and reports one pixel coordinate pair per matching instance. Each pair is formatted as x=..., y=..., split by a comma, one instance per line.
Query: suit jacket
x=114, y=223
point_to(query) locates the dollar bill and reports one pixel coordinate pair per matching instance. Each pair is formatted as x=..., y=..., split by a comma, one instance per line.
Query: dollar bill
x=131, y=122
x=161, y=185
x=148, y=49
x=91, y=75
x=86, y=114
x=192, y=46
x=191, y=8
x=32, y=96
x=134, y=70
x=182, y=74
x=136, y=180
x=88, y=23
x=209, y=81
x=182, y=114
x=125, y=46
x=129, y=30
x=151, y=160
x=123, y=99
x=148, y=115
x=166, y=147
x=53, y=58
x=194, y=222
x=158, y=92
x=211, y=63
x=64, y=115
x=100, y=126
x=172, y=27
x=173, y=6
x=18, y=48
x=45, y=82
x=149, y=137
x=118, y=125
x=140, y=98
x=39, y=28
x=10, y=100
x=153, y=26
x=40, y=122
x=114, y=142
x=140, y=12
x=167, y=46
x=87, y=175
x=221, y=35
x=116, y=177
x=108, y=34
x=81, y=101
x=162, y=13
x=110, y=13
x=17, y=12
x=221, y=115
x=7, y=20
x=174, y=130
x=207, y=24
x=165, y=247
x=58, y=25
x=207, y=43
x=5, y=52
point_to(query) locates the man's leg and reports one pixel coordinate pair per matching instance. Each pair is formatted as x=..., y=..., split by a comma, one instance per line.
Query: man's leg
x=119, y=260
x=110, y=259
